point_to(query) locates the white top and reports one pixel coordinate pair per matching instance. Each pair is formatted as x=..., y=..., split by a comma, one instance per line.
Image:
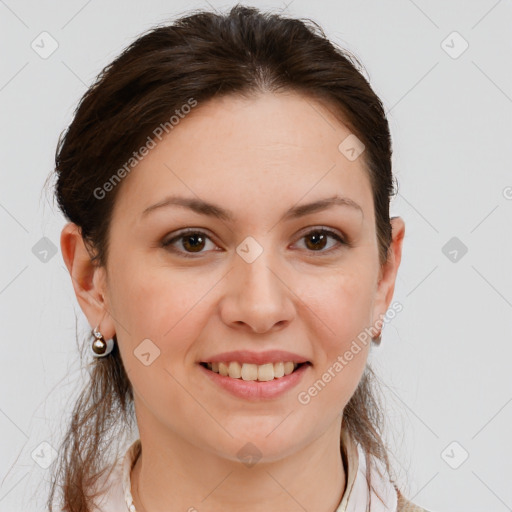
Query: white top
x=356, y=498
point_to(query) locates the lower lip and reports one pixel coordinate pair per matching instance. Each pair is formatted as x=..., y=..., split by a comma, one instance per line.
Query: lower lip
x=256, y=390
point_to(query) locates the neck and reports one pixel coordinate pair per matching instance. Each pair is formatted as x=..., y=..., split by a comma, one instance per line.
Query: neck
x=176, y=475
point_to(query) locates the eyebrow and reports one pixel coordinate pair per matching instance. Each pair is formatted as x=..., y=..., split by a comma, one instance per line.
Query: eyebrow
x=205, y=208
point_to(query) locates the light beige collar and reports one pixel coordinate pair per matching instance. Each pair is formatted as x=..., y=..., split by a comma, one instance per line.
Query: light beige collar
x=357, y=497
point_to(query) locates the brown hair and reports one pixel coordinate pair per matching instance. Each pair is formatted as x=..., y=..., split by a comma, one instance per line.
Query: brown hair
x=202, y=55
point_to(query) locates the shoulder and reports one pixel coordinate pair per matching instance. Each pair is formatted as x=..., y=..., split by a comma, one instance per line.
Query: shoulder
x=404, y=505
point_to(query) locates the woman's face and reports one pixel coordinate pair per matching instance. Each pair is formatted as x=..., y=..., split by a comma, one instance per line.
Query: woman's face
x=260, y=278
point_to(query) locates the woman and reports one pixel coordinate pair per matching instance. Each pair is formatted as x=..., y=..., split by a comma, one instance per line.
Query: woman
x=227, y=183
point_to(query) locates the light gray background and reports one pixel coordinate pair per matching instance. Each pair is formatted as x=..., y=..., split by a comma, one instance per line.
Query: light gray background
x=445, y=359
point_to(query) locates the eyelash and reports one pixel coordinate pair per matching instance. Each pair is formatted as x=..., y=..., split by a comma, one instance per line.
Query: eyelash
x=167, y=244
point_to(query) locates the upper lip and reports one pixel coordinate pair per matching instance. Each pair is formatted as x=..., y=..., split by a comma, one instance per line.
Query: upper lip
x=246, y=356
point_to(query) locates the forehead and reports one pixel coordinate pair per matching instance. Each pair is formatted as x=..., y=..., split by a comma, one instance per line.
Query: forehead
x=270, y=149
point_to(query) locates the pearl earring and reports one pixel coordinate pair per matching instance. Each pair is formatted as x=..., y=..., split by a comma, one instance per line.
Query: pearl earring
x=101, y=347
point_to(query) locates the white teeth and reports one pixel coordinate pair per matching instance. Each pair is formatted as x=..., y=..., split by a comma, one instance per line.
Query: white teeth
x=278, y=369
x=266, y=372
x=288, y=368
x=248, y=371
x=235, y=370
x=223, y=369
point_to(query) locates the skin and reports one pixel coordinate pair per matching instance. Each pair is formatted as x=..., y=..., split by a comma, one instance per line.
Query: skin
x=257, y=157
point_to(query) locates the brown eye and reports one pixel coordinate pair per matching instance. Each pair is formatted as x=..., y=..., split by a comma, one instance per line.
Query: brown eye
x=193, y=242
x=317, y=240
x=190, y=242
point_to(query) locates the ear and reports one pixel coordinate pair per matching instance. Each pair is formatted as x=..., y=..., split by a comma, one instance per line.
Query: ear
x=388, y=271
x=89, y=280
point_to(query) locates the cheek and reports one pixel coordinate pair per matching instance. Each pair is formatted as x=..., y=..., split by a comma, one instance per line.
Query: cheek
x=340, y=310
x=342, y=304
x=156, y=302
x=170, y=310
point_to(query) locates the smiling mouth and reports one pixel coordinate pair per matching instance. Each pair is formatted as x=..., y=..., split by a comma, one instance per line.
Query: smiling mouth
x=256, y=372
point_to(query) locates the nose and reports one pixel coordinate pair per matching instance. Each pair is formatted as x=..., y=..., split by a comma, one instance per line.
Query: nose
x=257, y=297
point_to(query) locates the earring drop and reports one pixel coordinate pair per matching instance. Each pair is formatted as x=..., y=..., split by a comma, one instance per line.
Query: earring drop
x=101, y=347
